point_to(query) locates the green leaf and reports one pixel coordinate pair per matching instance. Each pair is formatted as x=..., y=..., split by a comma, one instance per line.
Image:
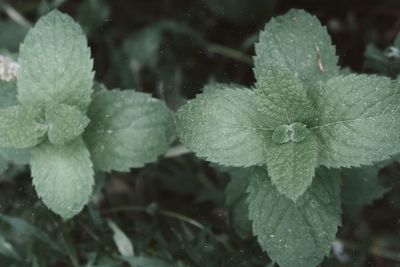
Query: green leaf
x=224, y=126
x=295, y=234
x=128, y=129
x=55, y=64
x=282, y=99
x=122, y=242
x=236, y=196
x=65, y=123
x=8, y=250
x=358, y=120
x=361, y=186
x=298, y=42
x=63, y=176
x=21, y=127
x=292, y=166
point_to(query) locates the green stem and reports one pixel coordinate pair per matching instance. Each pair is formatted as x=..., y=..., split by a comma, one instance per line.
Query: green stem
x=15, y=15
x=229, y=53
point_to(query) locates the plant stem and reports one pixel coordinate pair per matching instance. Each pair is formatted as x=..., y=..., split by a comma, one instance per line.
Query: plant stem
x=230, y=53
x=15, y=15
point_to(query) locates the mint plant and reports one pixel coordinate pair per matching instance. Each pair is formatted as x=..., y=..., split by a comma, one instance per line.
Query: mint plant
x=69, y=130
x=302, y=116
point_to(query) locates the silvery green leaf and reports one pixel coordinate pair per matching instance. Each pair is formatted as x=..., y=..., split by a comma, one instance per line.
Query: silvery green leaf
x=21, y=127
x=291, y=165
x=298, y=42
x=65, y=123
x=128, y=129
x=295, y=234
x=55, y=64
x=282, y=98
x=358, y=120
x=224, y=126
x=63, y=176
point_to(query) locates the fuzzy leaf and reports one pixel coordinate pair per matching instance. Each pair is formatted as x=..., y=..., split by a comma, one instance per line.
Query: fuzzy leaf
x=128, y=129
x=55, y=64
x=291, y=166
x=359, y=120
x=295, y=234
x=63, y=177
x=282, y=99
x=21, y=127
x=224, y=126
x=297, y=41
x=65, y=123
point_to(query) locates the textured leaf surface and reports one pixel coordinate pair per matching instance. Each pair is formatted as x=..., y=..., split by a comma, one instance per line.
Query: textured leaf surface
x=291, y=166
x=21, y=127
x=128, y=129
x=295, y=234
x=359, y=120
x=361, y=186
x=297, y=41
x=282, y=99
x=224, y=126
x=55, y=63
x=8, y=98
x=63, y=176
x=65, y=123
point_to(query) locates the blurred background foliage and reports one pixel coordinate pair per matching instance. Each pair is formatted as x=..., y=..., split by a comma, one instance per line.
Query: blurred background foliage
x=182, y=211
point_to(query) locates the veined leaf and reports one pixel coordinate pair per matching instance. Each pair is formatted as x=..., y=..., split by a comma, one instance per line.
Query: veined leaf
x=359, y=120
x=282, y=99
x=55, y=64
x=291, y=166
x=297, y=41
x=63, y=176
x=21, y=127
x=295, y=234
x=224, y=126
x=65, y=123
x=128, y=129
x=8, y=98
